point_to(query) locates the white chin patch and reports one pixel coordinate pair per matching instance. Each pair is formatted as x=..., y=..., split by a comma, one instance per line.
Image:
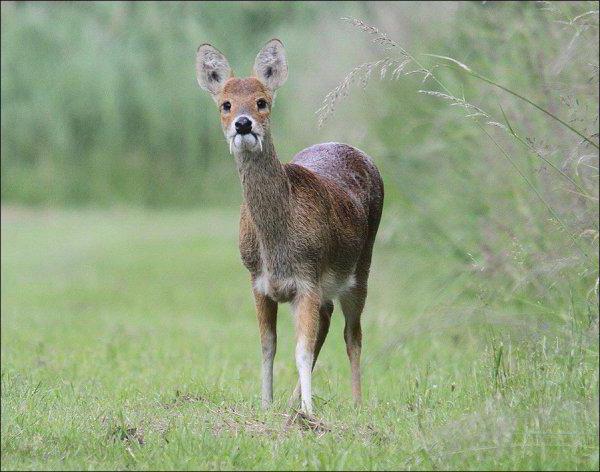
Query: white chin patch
x=244, y=141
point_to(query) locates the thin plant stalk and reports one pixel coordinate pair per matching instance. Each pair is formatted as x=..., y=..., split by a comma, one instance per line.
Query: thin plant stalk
x=512, y=92
x=428, y=73
x=546, y=204
x=525, y=99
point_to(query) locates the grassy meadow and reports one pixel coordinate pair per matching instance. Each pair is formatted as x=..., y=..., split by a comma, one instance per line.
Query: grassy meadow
x=128, y=334
x=129, y=342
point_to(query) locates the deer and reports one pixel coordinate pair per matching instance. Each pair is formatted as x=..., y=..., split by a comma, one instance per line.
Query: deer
x=306, y=228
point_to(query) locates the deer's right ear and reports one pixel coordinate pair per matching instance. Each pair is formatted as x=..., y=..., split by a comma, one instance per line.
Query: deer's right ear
x=212, y=69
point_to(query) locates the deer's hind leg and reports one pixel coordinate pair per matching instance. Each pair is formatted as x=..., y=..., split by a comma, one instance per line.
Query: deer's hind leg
x=307, y=310
x=325, y=313
x=353, y=303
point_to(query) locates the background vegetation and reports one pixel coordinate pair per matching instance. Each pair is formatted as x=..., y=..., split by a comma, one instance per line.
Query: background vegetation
x=128, y=339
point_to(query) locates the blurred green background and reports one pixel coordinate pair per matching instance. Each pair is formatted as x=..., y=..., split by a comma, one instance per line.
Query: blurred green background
x=100, y=103
x=119, y=211
x=100, y=107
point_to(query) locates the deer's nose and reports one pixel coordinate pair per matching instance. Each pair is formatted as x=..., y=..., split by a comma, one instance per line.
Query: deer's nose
x=243, y=125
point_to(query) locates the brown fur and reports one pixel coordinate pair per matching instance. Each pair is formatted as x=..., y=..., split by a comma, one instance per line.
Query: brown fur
x=332, y=215
x=243, y=95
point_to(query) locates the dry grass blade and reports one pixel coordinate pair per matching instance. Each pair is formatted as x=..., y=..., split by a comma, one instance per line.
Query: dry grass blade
x=306, y=422
x=231, y=421
x=361, y=74
x=127, y=434
x=380, y=37
x=521, y=97
x=364, y=72
x=182, y=399
x=475, y=112
x=455, y=101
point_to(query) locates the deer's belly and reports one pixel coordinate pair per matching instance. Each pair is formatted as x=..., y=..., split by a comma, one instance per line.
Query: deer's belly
x=280, y=289
x=285, y=289
x=333, y=285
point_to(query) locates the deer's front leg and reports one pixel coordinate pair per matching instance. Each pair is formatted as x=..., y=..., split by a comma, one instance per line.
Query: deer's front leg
x=307, y=324
x=266, y=312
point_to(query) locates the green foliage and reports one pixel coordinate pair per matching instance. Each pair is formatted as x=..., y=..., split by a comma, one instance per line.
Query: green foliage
x=492, y=176
x=100, y=103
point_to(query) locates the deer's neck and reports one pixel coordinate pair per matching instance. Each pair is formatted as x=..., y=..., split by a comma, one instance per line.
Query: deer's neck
x=266, y=192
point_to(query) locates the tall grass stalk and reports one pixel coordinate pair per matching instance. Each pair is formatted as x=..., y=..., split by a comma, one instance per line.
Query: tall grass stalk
x=472, y=73
x=474, y=111
x=382, y=39
x=535, y=190
x=557, y=250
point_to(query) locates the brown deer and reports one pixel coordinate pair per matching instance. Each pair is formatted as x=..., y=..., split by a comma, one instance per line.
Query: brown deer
x=307, y=227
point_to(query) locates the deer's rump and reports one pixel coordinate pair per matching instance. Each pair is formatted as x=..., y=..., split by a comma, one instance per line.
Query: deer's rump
x=352, y=171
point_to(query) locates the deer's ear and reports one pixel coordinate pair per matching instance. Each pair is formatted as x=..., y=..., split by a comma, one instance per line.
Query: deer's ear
x=212, y=69
x=270, y=66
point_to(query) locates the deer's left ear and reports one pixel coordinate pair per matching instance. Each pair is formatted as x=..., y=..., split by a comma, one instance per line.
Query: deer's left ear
x=270, y=66
x=212, y=69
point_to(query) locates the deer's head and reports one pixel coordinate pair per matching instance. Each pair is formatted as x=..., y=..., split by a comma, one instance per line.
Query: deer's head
x=245, y=103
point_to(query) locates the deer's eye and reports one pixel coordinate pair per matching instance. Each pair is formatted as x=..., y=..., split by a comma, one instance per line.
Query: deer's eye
x=261, y=104
x=226, y=106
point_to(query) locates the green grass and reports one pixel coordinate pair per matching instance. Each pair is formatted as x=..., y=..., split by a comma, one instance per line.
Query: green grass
x=129, y=342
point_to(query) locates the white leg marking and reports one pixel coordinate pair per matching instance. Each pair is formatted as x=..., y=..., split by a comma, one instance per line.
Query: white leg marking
x=304, y=360
x=268, y=351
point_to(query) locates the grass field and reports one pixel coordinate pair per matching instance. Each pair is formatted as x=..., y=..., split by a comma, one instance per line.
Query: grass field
x=129, y=341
